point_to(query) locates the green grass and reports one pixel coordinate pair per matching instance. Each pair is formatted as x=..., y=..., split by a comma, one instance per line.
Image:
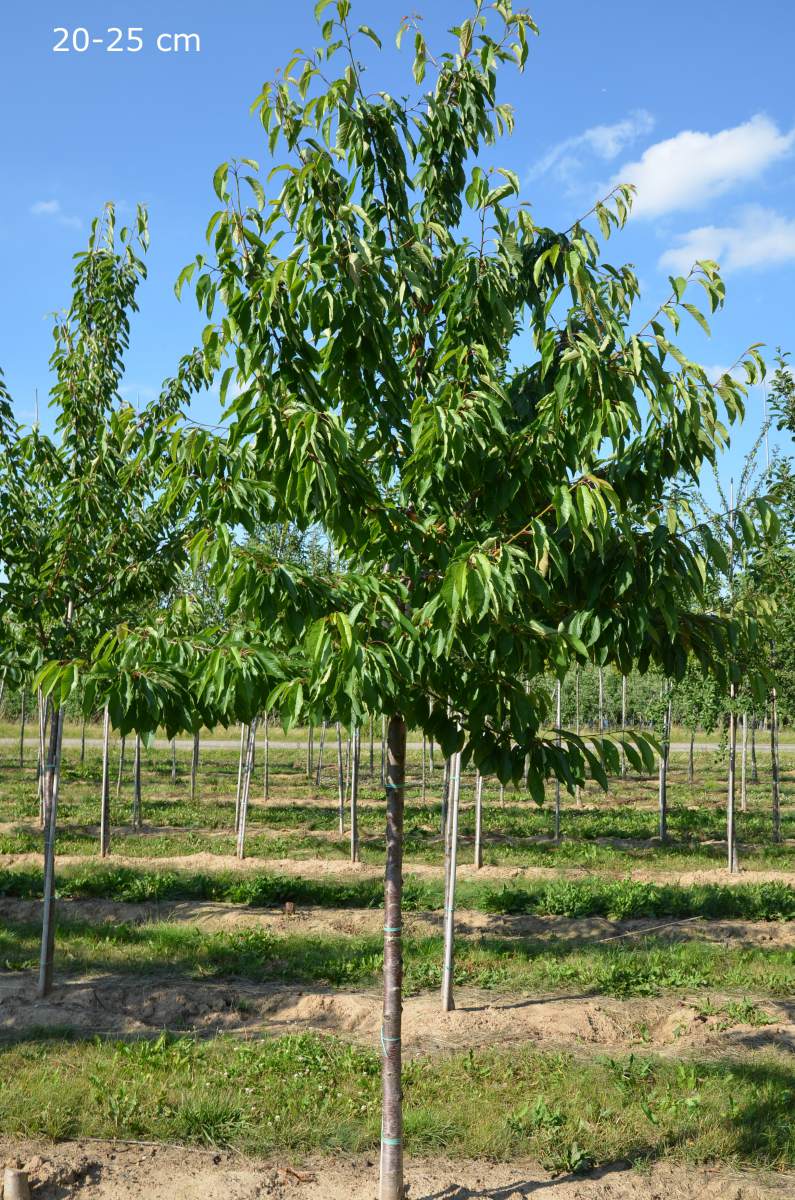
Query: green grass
x=644, y=967
x=617, y=899
x=306, y=1093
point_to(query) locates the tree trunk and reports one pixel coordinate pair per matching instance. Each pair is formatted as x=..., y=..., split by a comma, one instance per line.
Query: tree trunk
x=754, y=767
x=241, y=766
x=774, y=766
x=83, y=742
x=663, y=779
x=731, y=839
x=52, y=780
x=383, y=751
x=194, y=766
x=43, y=707
x=558, y=719
x=319, y=769
x=478, y=820
x=173, y=762
x=691, y=761
x=340, y=782
x=104, y=809
x=122, y=746
x=246, y=788
x=22, y=717
x=430, y=757
x=391, y=1186
x=448, y=1002
x=623, y=724
x=743, y=767
x=372, y=748
x=601, y=702
x=310, y=746
x=136, y=805
x=577, y=793
x=267, y=768
x=357, y=745
x=424, y=771
x=445, y=795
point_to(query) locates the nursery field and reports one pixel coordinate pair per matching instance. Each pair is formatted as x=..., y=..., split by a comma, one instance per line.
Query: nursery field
x=625, y=1008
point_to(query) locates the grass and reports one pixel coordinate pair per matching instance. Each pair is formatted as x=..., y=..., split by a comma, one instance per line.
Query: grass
x=508, y=965
x=617, y=899
x=306, y=1093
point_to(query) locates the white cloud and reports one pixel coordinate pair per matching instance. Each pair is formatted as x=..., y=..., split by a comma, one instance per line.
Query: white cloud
x=604, y=141
x=53, y=210
x=692, y=168
x=761, y=238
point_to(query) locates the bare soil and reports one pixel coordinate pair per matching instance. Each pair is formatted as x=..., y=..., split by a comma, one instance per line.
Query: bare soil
x=321, y=868
x=130, y=1005
x=119, y=1171
x=313, y=920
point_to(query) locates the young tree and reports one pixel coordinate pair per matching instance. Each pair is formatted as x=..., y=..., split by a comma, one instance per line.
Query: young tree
x=491, y=524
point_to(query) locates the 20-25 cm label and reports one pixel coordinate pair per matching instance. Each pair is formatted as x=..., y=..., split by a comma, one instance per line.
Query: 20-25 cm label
x=122, y=41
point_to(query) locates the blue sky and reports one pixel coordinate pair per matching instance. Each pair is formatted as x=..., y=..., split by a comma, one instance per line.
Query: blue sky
x=691, y=101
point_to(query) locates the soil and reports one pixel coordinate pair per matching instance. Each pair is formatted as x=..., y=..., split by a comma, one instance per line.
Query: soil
x=94, y=1170
x=130, y=1005
x=321, y=868
x=311, y=920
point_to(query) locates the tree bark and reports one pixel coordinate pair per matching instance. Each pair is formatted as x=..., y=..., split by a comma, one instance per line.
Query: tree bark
x=391, y=1183
x=104, y=809
x=754, y=767
x=340, y=782
x=22, y=717
x=623, y=724
x=246, y=788
x=424, y=772
x=731, y=838
x=448, y=1002
x=478, y=820
x=194, y=766
x=136, y=805
x=372, y=749
x=691, y=761
x=83, y=742
x=267, y=768
x=241, y=766
x=173, y=762
x=52, y=779
x=321, y=747
x=383, y=751
x=558, y=718
x=776, y=792
x=122, y=747
x=663, y=778
x=357, y=745
x=743, y=767
x=577, y=793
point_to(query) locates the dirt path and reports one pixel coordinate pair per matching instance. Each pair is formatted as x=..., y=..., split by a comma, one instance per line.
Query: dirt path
x=348, y=922
x=331, y=868
x=116, y=1005
x=119, y=1171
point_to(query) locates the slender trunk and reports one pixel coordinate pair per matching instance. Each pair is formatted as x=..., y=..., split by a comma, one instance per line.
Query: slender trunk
x=448, y=1002
x=391, y=1185
x=445, y=794
x=383, y=751
x=267, y=768
x=774, y=766
x=22, y=718
x=246, y=788
x=691, y=759
x=754, y=767
x=194, y=766
x=577, y=793
x=372, y=748
x=431, y=747
x=173, y=761
x=601, y=701
x=83, y=742
x=357, y=745
x=731, y=839
x=122, y=747
x=52, y=780
x=241, y=764
x=558, y=707
x=43, y=707
x=744, y=766
x=663, y=780
x=310, y=745
x=340, y=782
x=424, y=772
x=319, y=770
x=104, y=809
x=502, y=795
x=478, y=820
x=136, y=808
x=623, y=723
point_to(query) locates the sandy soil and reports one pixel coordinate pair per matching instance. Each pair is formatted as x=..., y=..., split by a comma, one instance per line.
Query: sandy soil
x=320, y=868
x=118, y=1171
x=114, y=1004
x=312, y=920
